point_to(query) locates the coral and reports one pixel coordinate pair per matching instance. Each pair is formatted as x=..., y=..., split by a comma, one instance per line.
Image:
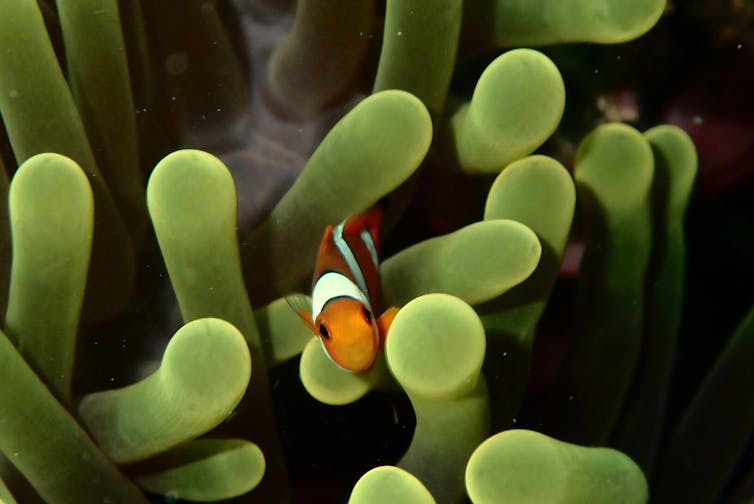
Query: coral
x=205, y=370
x=420, y=31
x=682, y=471
x=40, y=115
x=389, y=483
x=192, y=203
x=461, y=264
x=538, y=192
x=207, y=470
x=546, y=22
x=281, y=331
x=189, y=84
x=487, y=133
x=369, y=152
x=513, y=370
x=316, y=62
x=47, y=445
x=99, y=79
x=613, y=172
x=674, y=173
x=435, y=351
x=48, y=273
x=5, y=495
x=57, y=211
x=525, y=466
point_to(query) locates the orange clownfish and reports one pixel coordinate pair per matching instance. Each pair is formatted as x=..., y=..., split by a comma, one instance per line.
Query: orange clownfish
x=345, y=293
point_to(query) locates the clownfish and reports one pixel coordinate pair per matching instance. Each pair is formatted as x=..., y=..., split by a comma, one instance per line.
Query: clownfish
x=345, y=293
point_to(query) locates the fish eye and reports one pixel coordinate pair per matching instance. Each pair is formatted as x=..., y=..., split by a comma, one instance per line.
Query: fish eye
x=367, y=314
x=324, y=332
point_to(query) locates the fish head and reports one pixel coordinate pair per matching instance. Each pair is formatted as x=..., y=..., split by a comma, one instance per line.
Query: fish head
x=349, y=333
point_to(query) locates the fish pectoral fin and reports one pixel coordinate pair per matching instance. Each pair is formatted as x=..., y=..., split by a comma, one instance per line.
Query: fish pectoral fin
x=299, y=303
x=307, y=318
x=384, y=321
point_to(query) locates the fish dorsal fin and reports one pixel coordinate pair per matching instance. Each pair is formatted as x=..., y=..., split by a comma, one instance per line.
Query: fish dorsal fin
x=327, y=244
x=348, y=255
x=372, y=223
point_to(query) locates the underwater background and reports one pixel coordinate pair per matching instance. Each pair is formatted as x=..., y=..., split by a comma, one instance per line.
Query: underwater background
x=568, y=193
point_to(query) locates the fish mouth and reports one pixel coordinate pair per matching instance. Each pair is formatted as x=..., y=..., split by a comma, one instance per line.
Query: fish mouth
x=354, y=360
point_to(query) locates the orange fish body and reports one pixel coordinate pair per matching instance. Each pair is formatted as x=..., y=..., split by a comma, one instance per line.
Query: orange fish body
x=345, y=293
